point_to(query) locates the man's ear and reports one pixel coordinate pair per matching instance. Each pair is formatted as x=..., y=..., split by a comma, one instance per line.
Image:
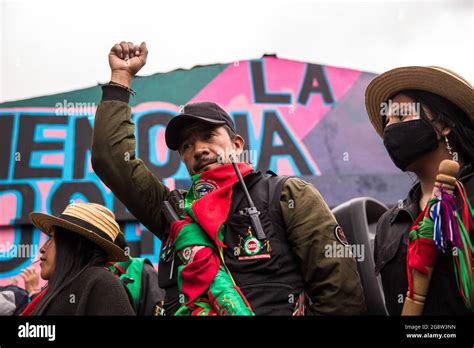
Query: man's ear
x=239, y=143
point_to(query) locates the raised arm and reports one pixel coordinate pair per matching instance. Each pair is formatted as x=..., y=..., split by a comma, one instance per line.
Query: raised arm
x=113, y=142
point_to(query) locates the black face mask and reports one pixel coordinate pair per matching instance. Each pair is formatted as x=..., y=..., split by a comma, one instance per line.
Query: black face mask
x=408, y=141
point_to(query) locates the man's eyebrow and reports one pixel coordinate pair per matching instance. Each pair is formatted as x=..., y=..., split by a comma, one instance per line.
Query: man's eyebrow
x=195, y=131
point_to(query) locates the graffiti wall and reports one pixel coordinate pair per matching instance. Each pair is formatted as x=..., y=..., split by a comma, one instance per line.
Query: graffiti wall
x=297, y=118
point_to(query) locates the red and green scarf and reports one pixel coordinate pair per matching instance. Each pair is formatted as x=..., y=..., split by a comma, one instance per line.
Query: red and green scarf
x=205, y=284
x=440, y=228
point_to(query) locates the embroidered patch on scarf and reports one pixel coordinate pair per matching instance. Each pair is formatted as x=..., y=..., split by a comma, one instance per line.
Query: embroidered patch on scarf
x=204, y=187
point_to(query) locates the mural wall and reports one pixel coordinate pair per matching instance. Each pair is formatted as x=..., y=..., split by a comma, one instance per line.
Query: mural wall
x=297, y=118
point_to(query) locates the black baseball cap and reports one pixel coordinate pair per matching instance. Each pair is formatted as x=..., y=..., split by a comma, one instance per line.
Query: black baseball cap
x=196, y=112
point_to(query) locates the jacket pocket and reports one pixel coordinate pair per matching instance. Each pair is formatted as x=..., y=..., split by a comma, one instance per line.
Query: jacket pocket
x=271, y=298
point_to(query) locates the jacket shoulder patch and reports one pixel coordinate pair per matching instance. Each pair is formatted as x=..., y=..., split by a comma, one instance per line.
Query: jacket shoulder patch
x=340, y=235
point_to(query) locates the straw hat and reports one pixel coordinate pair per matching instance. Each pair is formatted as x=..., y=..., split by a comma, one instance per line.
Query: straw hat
x=432, y=79
x=92, y=221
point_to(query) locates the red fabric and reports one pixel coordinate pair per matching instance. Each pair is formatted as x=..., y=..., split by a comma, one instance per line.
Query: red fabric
x=197, y=310
x=198, y=275
x=211, y=210
x=176, y=227
x=32, y=305
x=422, y=253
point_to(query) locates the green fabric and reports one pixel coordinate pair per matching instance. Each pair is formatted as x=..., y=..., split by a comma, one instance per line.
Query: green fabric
x=424, y=229
x=190, y=197
x=462, y=266
x=222, y=290
x=227, y=297
x=463, y=275
x=134, y=270
x=192, y=234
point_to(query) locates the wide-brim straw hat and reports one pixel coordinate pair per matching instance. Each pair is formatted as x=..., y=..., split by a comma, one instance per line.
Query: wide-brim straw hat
x=92, y=221
x=432, y=79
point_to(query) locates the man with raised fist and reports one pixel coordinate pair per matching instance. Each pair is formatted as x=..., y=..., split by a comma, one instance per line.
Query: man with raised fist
x=273, y=266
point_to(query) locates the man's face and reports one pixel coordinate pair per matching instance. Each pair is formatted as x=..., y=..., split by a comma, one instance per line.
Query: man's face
x=204, y=147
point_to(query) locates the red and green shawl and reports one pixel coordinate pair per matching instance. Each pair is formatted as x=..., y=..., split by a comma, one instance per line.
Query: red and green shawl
x=205, y=284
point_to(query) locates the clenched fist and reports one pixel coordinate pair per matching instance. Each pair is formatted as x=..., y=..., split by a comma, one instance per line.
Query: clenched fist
x=125, y=60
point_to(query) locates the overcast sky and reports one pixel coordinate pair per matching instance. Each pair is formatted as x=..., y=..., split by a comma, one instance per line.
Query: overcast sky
x=50, y=46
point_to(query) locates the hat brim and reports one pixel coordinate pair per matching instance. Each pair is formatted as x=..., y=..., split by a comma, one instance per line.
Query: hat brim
x=431, y=79
x=179, y=123
x=45, y=223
